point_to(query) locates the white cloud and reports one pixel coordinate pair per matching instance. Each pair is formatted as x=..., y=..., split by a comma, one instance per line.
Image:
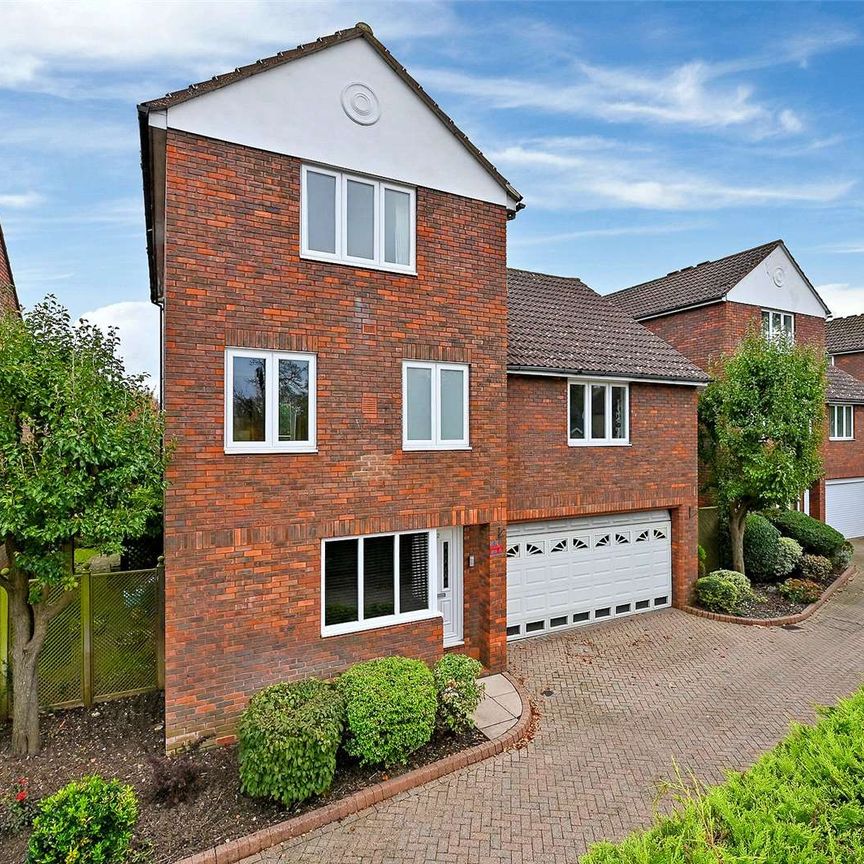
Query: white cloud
x=842, y=298
x=20, y=200
x=563, y=178
x=697, y=94
x=44, y=42
x=137, y=324
x=844, y=248
x=620, y=231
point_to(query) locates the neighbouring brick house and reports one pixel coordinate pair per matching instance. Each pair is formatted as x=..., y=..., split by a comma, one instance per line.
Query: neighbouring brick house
x=844, y=456
x=329, y=254
x=8, y=294
x=705, y=311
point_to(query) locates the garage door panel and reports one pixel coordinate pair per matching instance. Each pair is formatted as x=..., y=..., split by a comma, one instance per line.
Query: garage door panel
x=559, y=578
x=844, y=506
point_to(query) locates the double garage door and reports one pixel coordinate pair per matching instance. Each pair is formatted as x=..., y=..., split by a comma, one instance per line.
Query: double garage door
x=844, y=506
x=565, y=573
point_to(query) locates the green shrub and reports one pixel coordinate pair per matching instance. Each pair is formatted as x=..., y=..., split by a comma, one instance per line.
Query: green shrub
x=816, y=568
x=89, y=820
x=788, y=555
x=801, y=591
x=289, y=735
x=816, y=537
x=801, y=803
x=459, y=694
x=390, y=707
x=761, y=548
x=723, y=591
x=842, y=558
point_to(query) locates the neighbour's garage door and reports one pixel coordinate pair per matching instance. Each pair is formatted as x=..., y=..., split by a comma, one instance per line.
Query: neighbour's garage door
x=569, y=572
x=844, y=506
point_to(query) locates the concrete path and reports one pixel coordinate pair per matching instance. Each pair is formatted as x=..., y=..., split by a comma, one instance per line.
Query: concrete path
x=621, y=703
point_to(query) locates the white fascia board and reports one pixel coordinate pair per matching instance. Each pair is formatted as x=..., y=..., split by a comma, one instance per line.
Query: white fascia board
x=611, y=379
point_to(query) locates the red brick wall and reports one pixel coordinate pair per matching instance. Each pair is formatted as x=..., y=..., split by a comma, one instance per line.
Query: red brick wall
x=243, y=531
x=846, y=458
x=705, y=333
x=548, y=479
x=851, y=363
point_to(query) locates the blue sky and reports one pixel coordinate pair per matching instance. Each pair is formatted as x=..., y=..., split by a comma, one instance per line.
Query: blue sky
x=644, y=137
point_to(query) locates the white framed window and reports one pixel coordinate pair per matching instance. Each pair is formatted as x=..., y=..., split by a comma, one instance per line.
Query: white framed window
x=269, y=401
x=598, y=413
x=376, y=580
x=357, y=220
x=434, y=406
x=778, y=325
x=841, y=422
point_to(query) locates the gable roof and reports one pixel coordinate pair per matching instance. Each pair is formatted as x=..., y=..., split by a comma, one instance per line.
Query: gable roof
x=558, y=324
x=360, y=30
x=704, y=283
x=843, y=387
x=845, y=335
x=8, y=294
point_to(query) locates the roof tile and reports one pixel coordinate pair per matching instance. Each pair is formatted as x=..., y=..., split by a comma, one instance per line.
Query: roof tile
x=845, y=334
x=559, y=324
x=843, y=387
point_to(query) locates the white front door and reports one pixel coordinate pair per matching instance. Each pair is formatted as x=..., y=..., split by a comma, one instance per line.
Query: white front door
x=450, y=583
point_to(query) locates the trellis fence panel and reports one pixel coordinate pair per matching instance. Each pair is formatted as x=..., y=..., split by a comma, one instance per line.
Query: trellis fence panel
x=107, y=643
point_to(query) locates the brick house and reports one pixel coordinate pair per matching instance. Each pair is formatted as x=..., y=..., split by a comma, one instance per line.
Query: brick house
x=845, y=455
x=329, y=254
x=705, y=311
x=8, y=295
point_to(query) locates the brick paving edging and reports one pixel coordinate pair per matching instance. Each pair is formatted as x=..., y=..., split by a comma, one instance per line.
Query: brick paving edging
x=236, y=850
x=835, y=586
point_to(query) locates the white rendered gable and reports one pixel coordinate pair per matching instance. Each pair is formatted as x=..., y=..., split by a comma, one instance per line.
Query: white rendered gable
x=776, y=283
x=297, y=109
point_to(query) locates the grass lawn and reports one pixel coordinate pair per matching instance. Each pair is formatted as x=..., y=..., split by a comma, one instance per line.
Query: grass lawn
x=801, y=803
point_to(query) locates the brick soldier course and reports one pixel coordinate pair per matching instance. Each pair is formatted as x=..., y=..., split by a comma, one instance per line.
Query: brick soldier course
x=627, y=700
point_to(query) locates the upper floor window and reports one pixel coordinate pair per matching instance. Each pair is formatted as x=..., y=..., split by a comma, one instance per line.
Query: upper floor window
x=357, y=220
x=841, y=422
x=434, y=406
x=778, y=325
x=598, y=413
x=269, y=401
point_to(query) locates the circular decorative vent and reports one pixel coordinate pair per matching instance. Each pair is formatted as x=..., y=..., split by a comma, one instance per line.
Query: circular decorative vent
x=361, y=104
x=779, y=276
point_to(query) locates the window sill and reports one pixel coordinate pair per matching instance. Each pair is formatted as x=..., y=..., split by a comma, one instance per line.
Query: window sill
x=360, y=264
x=378, y=623
x=414, y=448
x=842, y=440
x=571, y=443
x=266, y=451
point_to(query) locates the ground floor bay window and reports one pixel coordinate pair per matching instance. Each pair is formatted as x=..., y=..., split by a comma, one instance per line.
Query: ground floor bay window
x=377, y=580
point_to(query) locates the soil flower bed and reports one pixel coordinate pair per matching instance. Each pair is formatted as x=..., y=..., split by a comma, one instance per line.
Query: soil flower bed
x=121, y=739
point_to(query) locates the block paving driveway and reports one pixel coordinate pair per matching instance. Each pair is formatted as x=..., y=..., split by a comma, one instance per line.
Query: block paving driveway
x=626, y=701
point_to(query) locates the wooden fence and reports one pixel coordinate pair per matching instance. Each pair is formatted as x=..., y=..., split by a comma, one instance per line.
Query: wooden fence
x=108, y=643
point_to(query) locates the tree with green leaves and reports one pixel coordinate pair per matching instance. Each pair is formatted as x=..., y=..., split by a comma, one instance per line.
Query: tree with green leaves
x=762, y=420
x=81, y=456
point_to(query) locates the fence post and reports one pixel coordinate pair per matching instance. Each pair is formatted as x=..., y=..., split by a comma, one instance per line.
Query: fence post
x=160, y=623
x=4, y=655
x=86, y=637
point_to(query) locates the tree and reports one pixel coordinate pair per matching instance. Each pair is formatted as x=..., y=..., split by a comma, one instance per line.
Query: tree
x=81, y=455
x=762, y=419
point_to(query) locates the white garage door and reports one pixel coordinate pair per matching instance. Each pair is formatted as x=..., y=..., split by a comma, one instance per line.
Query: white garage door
x=569, y=572
x=844, y=506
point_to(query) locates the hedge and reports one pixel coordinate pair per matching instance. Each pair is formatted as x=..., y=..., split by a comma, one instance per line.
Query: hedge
x=816, y=537
x=723, y=591
x=801, y=803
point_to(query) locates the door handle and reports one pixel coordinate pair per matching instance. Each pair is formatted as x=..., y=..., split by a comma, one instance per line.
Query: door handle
x=442, y=595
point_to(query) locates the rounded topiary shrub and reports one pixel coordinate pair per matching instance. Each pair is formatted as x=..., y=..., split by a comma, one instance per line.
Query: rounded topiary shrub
x=816, y=537
x=390, y=707
x=289, y=735
x=761, y=548
x=801, y=590
x=842, y=558
x=458, y=691
x=789, y=553
x=815, y=568
x=723, y=591
x=89, y=820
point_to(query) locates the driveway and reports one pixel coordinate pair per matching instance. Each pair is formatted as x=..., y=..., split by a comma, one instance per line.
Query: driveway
x=621, y=703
